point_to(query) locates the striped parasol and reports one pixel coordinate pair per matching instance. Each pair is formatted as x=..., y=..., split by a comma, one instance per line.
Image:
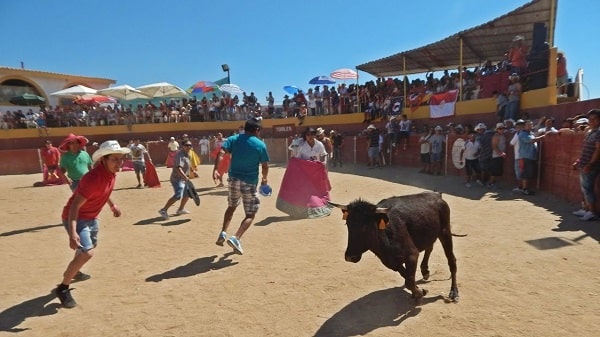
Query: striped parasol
x=344, y=74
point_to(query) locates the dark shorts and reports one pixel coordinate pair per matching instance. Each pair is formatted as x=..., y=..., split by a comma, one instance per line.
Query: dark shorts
x=527, y=168
x=403, y=135
x=484, y=164
x=497, y=167
x=139, y=167
x=425, y=158
x=472, y=166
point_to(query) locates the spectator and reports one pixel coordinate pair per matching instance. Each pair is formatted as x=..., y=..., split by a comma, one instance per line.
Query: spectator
x=404, y=131
x=498, y=154
x=294, y=144
x=468, y=156
x=425, y=150
x=514, y=97
x=373, y=146
x=589, y=167
x=501, y=102
x=338, y=143
x=437, y=141
x=519, y=124
x=517, y=55
x=484, y=137
x=322, y=137
x=562, y=76
x=528, y=153
x=548, y=126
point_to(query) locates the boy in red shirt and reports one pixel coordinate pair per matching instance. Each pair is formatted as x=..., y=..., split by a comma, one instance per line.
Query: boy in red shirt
x=80, y=215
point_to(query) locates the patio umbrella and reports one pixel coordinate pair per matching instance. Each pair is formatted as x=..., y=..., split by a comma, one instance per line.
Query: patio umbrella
x=124, y=92
x=202, y=87
x=90, y=99
x=291, y=89
x=321, y=80
x=344, y=74
x=27, y=99
x=162, y=89
x=231, y=89
x=74, y=91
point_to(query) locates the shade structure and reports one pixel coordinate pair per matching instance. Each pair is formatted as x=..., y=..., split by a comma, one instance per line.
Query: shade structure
x=74, y=91
x=344, y=74
x=231, y=89
x=321, y=80
x=27, y=99
x=124, y=92
x=162, y=89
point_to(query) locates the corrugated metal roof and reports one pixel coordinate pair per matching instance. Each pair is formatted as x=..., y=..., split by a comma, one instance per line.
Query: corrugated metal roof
x=488, y=41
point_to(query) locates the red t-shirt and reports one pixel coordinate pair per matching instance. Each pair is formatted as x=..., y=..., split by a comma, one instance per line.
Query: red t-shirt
x=96, y=187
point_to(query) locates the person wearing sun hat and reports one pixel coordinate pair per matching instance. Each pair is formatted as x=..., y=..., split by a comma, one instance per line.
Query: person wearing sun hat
x=75, y=161
x=80, y=214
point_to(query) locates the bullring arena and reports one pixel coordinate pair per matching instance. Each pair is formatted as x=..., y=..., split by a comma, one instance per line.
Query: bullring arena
x=526, y=267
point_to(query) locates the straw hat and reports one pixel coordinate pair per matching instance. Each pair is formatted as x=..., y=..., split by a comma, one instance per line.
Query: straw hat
x=109, y=147
x=320, y=131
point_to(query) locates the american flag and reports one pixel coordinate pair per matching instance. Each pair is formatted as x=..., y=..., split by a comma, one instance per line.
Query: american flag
x=344, y=74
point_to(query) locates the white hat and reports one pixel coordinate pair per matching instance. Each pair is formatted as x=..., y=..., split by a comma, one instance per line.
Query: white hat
x=438, y=128
x=500, y=125
x=480, y=126
x=582, y=121
x=509, y=120
x=518, y=37
x=172, y=138
x=371, y=126
x=320, y=131
x=109, y=147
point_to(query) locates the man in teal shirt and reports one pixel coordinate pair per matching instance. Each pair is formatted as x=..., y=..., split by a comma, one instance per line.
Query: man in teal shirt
x=75, y=162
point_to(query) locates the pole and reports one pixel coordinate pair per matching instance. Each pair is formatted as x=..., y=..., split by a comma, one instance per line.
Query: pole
x=228, y=77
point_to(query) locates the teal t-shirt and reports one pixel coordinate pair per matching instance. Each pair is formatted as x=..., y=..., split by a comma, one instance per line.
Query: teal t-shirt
x=247, y=153
x=76, y=164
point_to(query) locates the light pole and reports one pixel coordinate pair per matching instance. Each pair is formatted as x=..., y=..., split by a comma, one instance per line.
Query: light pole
x=225, y=67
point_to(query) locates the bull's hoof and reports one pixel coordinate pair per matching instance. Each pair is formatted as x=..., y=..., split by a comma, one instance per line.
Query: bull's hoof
x=419, y=293
x=426, y=276
x=453, y=295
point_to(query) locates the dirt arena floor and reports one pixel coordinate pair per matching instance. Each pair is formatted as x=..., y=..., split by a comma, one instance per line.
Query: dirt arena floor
x=526, y=267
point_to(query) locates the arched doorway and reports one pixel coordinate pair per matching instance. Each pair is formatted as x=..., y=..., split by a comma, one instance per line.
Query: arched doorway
x=14, y=87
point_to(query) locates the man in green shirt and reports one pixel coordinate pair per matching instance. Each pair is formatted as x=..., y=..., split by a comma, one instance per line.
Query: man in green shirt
x=75, y=162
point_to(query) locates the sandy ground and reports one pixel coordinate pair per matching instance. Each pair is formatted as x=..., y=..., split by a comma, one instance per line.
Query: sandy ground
x=525, y=267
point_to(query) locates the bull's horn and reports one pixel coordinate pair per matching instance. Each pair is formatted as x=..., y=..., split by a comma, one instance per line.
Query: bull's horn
x=381, y=210
x=343, y=207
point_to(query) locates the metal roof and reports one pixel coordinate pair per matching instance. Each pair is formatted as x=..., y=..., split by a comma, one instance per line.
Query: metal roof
x=487, y=41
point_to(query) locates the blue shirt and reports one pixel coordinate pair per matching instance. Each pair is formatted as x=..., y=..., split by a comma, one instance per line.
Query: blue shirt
x=527, y=147
x=247, y=152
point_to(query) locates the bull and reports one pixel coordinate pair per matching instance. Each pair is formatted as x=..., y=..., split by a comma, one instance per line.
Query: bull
x=396, y=230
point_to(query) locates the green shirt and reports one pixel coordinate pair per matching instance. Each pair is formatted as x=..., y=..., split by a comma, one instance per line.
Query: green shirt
x=76, y=164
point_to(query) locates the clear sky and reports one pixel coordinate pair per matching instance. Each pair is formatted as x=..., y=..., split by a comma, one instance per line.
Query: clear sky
x=267, y=43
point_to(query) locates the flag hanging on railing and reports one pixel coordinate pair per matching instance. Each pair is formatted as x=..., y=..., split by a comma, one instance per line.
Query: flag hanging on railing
x=442, y=105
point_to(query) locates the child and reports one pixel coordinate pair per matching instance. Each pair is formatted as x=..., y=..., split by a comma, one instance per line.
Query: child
x=470, y=156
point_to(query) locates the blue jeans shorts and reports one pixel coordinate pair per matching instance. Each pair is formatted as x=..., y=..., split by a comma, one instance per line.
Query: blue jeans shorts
x=87, y=229
x=178, y=188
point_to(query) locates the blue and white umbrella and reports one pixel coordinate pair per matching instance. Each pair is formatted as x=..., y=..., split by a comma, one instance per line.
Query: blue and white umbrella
x=231, y=89
x=321, y=80
x=291, y=89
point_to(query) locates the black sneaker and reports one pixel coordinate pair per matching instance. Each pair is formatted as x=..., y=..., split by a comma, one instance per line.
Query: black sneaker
x=65, y=298
x=81, y=277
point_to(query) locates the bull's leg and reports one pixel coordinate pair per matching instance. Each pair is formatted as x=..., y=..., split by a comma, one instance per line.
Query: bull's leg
x=411, y=270
x=425, y=263
x=446, y=240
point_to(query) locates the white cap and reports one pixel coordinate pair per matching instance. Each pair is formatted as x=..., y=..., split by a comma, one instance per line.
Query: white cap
x=371, y=126
x=480, y=126
x=109, y=147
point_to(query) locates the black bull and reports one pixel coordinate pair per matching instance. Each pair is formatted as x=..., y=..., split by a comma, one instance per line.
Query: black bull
x=397, y=229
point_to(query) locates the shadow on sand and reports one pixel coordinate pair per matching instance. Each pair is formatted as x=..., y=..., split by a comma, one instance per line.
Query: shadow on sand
x=199, y=266
x=14, y=316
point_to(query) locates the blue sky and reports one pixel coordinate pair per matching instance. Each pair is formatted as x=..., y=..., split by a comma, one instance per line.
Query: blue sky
x=267, y=44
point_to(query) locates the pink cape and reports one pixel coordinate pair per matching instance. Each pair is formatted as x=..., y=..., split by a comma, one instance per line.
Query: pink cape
x=49, y=180
x=304, y=190
x=170, y=159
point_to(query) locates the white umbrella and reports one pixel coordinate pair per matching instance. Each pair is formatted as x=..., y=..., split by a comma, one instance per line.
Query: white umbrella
x=162, y=89
x=124, y=92
x=78, y=90
x=232, y=89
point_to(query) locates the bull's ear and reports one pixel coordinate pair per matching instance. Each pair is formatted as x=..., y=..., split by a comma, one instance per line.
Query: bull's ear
x=381, y=210
x=342, y=207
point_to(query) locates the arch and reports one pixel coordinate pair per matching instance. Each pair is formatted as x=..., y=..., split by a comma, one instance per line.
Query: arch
x=5, y=93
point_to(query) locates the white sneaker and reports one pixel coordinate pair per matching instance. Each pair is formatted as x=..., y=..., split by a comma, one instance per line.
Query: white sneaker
x=164, y=214
x=182, y=211
x=588, y=216
x=580, y=212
